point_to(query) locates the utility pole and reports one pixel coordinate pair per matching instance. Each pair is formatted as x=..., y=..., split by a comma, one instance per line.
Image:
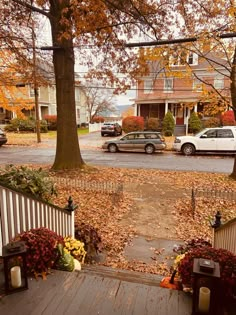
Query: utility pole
x=36, y=89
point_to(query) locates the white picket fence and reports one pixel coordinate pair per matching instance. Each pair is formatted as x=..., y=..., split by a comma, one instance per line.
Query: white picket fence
x=225, y=236
x=19, y=213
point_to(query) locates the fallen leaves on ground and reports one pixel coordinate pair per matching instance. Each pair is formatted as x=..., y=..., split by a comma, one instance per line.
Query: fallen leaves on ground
x=100, y=210
x=104, y=212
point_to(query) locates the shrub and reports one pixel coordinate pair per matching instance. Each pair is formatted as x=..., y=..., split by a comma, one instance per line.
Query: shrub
x=42, y=250
x=226, y=260
x=91, y=239
x=227, y=118
x=168, y=124
x=194, y=122
x=152, y=124
x=98, y=119
x=211, y=122
x=132, y=123
x=25, y=125
x=51, y=121
x=32, y=181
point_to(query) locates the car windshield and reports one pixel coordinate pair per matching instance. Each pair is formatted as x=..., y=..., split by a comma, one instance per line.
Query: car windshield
x=200, y=133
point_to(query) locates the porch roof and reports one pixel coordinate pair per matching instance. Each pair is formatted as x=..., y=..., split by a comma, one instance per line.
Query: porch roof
x=166, y=99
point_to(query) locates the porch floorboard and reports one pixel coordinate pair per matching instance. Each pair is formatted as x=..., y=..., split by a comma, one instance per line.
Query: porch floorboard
x=96, y=290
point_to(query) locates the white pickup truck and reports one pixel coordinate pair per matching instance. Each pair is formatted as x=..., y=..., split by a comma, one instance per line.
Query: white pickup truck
x=221, y=139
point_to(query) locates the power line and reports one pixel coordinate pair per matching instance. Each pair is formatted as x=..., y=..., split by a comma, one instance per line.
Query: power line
x=129, y=45
x=174, y=41
x=135, y=89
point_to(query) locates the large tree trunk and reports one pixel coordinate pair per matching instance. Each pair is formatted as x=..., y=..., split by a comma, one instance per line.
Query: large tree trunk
x=68, y=154
x=233, y=98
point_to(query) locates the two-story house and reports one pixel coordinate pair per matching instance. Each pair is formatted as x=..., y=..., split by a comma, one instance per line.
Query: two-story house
x=178, y=86
x=23, y=93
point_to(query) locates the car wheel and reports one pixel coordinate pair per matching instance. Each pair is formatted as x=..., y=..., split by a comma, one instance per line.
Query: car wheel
x=149, y=149
x=112, y=148
x=102, y=134
x=115, y=134
x=188, y=149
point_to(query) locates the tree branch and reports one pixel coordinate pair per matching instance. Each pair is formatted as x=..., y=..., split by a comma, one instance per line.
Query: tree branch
x=32, y=8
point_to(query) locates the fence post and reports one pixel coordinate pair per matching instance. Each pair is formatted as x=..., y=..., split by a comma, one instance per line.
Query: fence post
x=71, y=207
x=193, y=202
x=217, y=223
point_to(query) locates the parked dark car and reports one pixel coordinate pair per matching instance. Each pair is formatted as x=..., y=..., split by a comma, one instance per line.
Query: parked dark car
x=144, y=141
x=111, y=129
x=3, y=137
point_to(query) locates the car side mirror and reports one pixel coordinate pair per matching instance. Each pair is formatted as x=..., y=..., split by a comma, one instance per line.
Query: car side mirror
x=203, y=136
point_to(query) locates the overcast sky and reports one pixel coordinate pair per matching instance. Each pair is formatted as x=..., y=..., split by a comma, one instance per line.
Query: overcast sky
x=127, y=99
x=44, y=39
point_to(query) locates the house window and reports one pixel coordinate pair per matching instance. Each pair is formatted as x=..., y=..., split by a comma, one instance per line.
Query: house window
x=77, y=94
x=219, y=83
x=31, y=91
x=190, y=59
x=78, y=113
x=148, y=86
x=184, y=58
x=197, y=85
x=168, y=84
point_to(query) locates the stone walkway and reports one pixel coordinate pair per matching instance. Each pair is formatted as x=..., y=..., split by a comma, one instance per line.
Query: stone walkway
x=154, y=222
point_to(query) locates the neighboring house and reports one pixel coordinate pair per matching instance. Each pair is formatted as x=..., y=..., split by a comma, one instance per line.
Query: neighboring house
x=46, y=102
x=177, y=90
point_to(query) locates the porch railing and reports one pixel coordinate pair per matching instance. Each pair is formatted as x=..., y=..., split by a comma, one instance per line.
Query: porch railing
x=19, y=213
x=225, y=236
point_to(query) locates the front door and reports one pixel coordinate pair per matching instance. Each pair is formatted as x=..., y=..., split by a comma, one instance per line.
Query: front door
x=179, y=114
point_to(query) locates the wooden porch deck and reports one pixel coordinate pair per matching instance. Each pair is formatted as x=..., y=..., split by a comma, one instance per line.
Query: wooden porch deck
x=96, y=290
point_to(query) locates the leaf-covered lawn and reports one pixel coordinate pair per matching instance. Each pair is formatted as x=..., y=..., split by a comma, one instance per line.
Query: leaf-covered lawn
x=99, y=209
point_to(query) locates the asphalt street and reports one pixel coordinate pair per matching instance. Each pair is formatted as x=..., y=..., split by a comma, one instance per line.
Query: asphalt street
x=95, y=156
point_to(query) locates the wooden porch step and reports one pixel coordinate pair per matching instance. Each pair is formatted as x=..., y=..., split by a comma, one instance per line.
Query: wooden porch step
x=124, y=275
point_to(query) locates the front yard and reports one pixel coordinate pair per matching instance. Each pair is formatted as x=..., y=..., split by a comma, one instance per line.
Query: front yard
x=98, y=208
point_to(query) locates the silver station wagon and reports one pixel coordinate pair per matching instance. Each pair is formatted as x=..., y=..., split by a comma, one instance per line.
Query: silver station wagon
x=140, y=141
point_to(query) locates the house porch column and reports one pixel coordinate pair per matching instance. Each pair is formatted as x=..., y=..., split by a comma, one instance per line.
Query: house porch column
x=166, y=106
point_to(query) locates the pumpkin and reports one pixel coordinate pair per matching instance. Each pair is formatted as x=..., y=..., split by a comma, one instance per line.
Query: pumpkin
x=171, y=282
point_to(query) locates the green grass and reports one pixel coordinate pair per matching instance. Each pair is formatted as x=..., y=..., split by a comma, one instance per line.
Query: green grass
x=83, y=131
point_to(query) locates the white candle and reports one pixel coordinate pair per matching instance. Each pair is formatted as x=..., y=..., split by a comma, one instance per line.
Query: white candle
x=15, y=277
x=204, y=300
